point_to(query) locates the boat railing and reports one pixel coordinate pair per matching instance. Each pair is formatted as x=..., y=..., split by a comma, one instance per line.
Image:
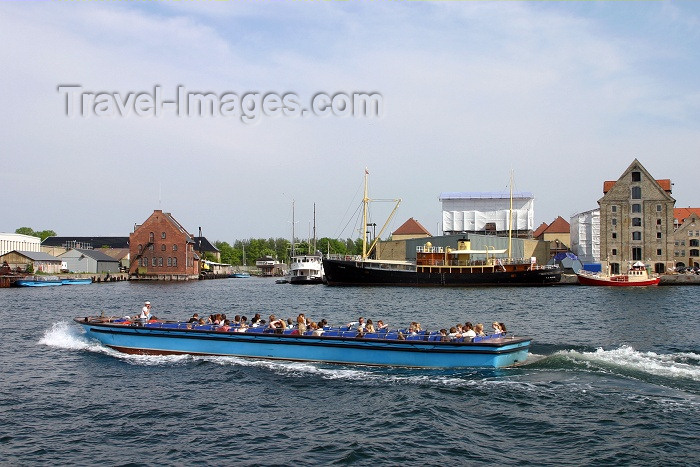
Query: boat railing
x=429, y=249
x=344, y=257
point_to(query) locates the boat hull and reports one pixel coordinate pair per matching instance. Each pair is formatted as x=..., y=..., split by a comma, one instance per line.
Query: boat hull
x=305, y=280
x=610, y=282
x=76, y=281
x=159, y=340
x=343, y=272
x=32, y=283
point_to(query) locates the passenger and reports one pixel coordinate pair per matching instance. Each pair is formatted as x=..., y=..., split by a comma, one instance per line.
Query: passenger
x=401, y=336
x=316, y=330
x=370, y=326
x=194, y=318
x=301, y=323
x=145, y=315
x=453, y=333
x=468, y=331
x=496, y=327
x=479, y=330
x=290, y=324
x=202, y=321
x=237, y=320
x=443, y=335
x=276, y=323
x=211, y=319
x=360, y=323
x=503, y=328
x=255, y=322
x=412, y=331
x=226, y=327
x=323, y=323
x=381, y=325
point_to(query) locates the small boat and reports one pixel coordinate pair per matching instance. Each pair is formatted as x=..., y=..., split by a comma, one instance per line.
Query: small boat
x=240, y=275
x=282, y=280
x=38, y=281
x=306, y=269
x=76, y=281
x=636, y=276
x=335, y=345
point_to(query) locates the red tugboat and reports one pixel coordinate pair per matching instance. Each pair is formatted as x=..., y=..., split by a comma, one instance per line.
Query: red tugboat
x=637, y=276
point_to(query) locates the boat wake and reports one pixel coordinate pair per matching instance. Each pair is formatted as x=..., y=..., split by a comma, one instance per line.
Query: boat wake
x=674, y=369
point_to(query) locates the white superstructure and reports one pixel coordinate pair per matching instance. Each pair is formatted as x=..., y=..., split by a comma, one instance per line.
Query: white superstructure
x=19, y=242
x=585, y=236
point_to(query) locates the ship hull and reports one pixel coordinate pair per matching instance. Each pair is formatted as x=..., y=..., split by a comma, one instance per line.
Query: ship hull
x=344, y=272
x=612, y=282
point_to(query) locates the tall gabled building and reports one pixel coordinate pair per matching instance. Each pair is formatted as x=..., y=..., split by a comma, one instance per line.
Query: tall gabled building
x=636, y=221
x=162, y=249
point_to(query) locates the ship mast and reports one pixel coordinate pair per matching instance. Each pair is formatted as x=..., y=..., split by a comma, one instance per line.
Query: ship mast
x=510, y=220
x=365, y=202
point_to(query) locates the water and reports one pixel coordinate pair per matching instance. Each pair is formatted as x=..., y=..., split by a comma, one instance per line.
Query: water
x=614, y=379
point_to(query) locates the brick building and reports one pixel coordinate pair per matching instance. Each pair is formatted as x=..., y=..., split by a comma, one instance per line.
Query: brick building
x=558, y=234
x=687, y=237
x=636, y=221
x=162, y=249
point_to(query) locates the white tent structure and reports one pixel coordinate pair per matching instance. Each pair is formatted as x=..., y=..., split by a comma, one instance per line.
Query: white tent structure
x=486, y=212
x=585, y=236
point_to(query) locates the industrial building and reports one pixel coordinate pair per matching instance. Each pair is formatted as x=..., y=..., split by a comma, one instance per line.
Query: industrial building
x=89, y=261
x=585, y=236
x=18, y=242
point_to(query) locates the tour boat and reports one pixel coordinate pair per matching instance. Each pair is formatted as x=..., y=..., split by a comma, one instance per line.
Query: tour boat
x=76, y=281
x=335, y=345
x=240, y=275
x=38, y=281
x=636, y=276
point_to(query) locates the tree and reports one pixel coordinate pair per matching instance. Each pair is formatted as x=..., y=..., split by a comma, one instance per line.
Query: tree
x=43, y=235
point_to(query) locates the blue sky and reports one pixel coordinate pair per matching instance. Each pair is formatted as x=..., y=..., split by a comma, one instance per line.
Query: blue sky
x=564, y=94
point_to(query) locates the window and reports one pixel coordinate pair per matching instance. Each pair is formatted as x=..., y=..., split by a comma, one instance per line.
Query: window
x=658, y=208
x=150, y=237
x=676, y=243
x=636, y=254
x=658, y=234
x=636, y=176
x=175, y=262
x=170, y=261
x=636, y=235
x=174, y=247
x=694, y=253
x=682, y=253
x=658, y=252
x=613, y=208
x=614, y=252
x=636, y=192
x=682, y=242
x=154, y=261
x=614, y=268
x=694, y=242
x=144, y=262
x=614, y=235
x=636, y=208
x=658, y=221
x=614, y=221
x=140, y=248
x=160, y=261
x=162, y=235
x=659, y=268
x=636, y=221
x=150, y=247
x=162, y=247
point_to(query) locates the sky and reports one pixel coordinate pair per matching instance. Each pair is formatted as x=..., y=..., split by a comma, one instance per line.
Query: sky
x=563, y=95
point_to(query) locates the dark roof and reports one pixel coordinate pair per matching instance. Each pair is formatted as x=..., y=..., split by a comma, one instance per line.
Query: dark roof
x=97, y=255
x=202, y=244
x=95, y=242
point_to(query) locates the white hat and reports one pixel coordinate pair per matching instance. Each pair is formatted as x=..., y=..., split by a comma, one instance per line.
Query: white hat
x=147, y=303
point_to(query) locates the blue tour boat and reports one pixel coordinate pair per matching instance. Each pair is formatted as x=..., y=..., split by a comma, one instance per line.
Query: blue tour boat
x=335, y=345
x=240, y=275
x=38, y=281
x=76, y=281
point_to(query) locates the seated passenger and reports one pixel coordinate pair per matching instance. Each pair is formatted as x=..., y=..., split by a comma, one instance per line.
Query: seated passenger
x=360, y=323
x=370, y=326
x=194, y=318
x=479, y=330
x=496, y=327
x=503, y=328
x=468, y=331
x=381, y=325
x=443, y=335
x=452, y=334
x=226, y=327
x=316, y=330
x=301, y=323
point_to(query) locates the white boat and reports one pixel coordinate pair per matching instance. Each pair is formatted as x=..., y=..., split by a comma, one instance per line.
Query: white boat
x=306, y=268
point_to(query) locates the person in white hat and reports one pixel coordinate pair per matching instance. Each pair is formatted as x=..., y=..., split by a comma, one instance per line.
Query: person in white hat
x=145, y=312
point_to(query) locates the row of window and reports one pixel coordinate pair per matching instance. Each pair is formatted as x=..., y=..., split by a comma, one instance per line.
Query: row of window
x=693, y=253
x=636, y=207
x=151, y=247
x=659, y=268
x=158, y=262
x=637, y=253
x=693, y=242
x=697, y=233
x=151, y=236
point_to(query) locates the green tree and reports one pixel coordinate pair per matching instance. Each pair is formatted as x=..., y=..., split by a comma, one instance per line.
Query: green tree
x=43, y=235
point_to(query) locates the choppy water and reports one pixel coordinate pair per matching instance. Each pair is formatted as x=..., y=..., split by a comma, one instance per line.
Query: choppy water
x=614, y=379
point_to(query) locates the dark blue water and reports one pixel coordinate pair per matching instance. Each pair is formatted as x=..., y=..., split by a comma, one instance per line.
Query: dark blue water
x=614, y=379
